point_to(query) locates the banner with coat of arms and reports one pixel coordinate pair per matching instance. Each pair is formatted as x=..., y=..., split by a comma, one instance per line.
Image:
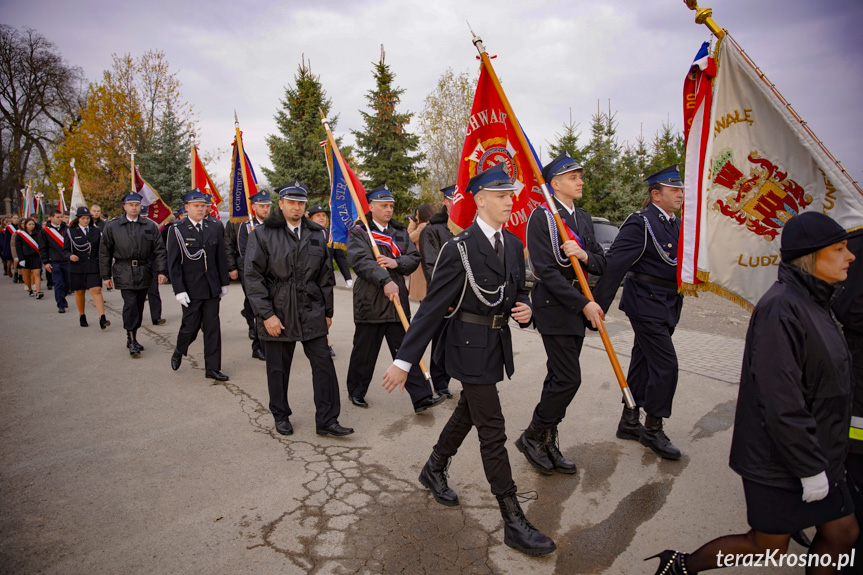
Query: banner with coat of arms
x=764, y=167
x=490, y=140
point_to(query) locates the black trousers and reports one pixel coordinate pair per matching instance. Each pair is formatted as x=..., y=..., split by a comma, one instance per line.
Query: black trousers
x=60, y=275
x=479, y=406
x=342, y=261
x=133, y=307
x=652, y=376
x=367, y=344
x=562, y=380
x=202, y=315
x=440, y=378
x=249, y=314
x=155, y=299
x=324, y=380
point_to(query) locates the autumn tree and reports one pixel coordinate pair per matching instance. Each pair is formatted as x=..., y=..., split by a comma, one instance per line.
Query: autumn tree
x=295, y=152
x=443, y=128
x=123, y=113
x=39, y=93
x=384, y=145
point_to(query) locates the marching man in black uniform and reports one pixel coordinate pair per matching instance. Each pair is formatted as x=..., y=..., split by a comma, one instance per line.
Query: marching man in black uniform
x=561, y=310
x=261, y=206
x=432, y=240
x=480, y=275
x=54, y=259
x=645, y=251
x=199, y=276
x=131, y=252
x=375, y=316
x=289, y=282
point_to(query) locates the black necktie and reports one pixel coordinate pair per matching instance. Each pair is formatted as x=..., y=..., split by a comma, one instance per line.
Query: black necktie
x=498, y=246
x=296, y=232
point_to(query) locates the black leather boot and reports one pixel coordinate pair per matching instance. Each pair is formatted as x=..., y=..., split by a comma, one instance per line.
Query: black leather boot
x=560, y=463
x=672, y=563
x=518, y=533
x=629, y=426
x=653, y=437
x=83, y=320
x=135, y=348
x=532, y=445
x=433, y=477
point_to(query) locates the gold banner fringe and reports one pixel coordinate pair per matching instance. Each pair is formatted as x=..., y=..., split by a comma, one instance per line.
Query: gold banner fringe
x=693, y=290
x=456, y=230
x=337, y=245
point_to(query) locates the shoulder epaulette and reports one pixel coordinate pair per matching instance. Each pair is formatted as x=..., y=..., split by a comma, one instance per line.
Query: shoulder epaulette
x=461, y=236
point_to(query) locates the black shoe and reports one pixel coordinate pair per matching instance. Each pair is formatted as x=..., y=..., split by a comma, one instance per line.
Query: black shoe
x=30, y=292
x=672, y=563
x=560, y=463
x=135, y=349
x=332, y=352
x=532, y=445
x=518, y=533
x=359, y=402
x=217, y=375
x=335, y=429
x=802, y=539
x=251, y=332
x=433, y=477
x=445, y=392
x=259, y=354
x=426, y=403
x=653, y=437
x=50, y=287
x=103, y=321
x=630, y=427
x=83, y=320
x=61, y=310
x=40, y=295
x=160, y=321
x=284, y=427
x=176, y=359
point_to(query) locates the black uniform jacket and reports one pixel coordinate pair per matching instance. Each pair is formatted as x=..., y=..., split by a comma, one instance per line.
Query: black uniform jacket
x=794, y=403
x=243, y=241
x=469, y=350
x=50, y=251
x=86, y=247
x=635, y=250
x=200, y=278
x=432, y=239
x=137, y=251
x=290, y=280
x=370, y=303
x=849, y=309
x=557, y=298
x=232, y=230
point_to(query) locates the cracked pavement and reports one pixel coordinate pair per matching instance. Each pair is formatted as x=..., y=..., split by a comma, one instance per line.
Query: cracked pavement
x=110, y=464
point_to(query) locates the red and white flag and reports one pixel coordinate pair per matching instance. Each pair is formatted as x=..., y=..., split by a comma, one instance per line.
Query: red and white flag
x=201, y=180
x=761, y=166
x=157, y=210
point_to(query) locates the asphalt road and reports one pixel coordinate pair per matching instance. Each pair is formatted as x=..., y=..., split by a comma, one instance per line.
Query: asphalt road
x=116, y=465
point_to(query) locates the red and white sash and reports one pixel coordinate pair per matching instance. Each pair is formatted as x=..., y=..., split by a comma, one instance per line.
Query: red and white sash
x=54, y=234
x=26, y=237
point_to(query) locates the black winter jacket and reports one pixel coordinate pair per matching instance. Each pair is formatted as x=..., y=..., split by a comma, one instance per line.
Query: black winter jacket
x=292, y=280
x=370, y=303
x=85, y=247
x=137, y=251
x=432, y=239
x=794, y=403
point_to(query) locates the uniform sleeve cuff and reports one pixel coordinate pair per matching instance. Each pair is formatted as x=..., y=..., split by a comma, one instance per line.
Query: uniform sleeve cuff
x=402, y=364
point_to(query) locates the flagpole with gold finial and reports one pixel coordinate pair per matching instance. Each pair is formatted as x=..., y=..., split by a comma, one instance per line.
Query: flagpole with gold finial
x=705, y=16
x=537, y=172
x=241, y=157
x=377, y=253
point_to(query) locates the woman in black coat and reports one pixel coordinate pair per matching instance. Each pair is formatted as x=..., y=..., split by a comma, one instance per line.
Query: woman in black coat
x=81, y=247
x=793, y=411
x=29, y=262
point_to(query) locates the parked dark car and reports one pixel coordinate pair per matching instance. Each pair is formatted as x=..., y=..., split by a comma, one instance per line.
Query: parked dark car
x=605, y=234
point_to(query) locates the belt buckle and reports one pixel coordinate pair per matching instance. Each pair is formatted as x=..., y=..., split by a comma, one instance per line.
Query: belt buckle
x=134, y=263
x=498, y=321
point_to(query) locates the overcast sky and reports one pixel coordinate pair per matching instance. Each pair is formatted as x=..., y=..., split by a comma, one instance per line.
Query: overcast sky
x=552, y=57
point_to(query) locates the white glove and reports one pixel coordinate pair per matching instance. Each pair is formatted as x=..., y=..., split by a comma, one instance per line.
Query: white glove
x=183, y=298
x=815, y=488
x=224, y=291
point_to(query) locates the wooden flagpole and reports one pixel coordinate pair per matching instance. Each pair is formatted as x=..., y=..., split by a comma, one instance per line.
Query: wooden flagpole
x=395, y=299
x=537, y=172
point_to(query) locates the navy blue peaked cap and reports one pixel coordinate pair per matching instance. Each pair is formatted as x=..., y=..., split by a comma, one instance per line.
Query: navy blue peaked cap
x=562, y=164
x=195, y=195
x=381, y=194
x=448, y=192
x=495, y=179
x=296, y=191
x=669, y=176
x=133, y=197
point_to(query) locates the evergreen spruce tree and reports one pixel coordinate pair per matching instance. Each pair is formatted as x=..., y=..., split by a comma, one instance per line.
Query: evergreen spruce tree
x=166, y=165
x=385, y=145
x=295, y=152
x=667, y=148
x=600, y=160
x=566, y=141
x=633, y=165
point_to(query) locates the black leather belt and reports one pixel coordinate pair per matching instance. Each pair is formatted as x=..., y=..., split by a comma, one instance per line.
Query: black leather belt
x=133, y=263
x=652, y=280
x=492, y=321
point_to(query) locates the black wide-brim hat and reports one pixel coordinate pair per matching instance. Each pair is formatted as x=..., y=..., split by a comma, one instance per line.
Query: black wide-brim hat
x=809, y=232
